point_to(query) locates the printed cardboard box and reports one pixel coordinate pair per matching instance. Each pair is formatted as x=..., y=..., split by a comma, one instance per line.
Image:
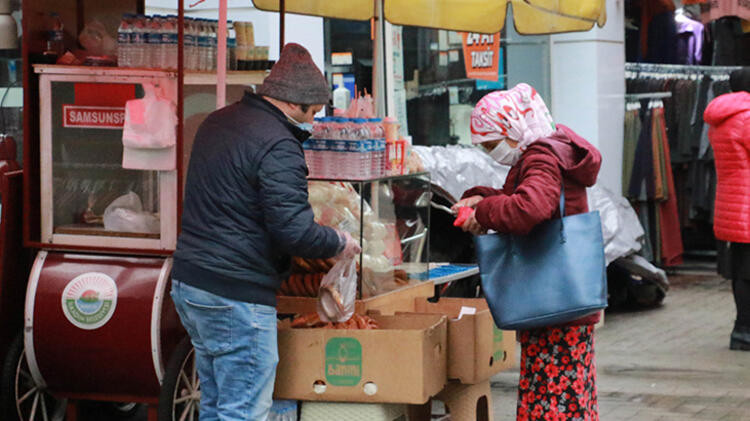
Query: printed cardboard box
x=405, y=361
x=477, y=349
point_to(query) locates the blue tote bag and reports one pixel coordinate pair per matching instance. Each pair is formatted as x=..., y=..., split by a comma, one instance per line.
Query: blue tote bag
x=553, y=275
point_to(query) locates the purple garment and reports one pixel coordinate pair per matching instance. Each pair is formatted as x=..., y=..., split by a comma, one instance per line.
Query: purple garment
x=689, y=40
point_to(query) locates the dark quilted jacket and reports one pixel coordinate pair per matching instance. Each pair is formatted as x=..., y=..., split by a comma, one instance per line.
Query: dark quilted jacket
x=246, y=209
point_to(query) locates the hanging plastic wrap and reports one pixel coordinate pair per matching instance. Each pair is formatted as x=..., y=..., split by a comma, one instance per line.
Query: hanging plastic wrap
x=620, y=225
x=456, y=169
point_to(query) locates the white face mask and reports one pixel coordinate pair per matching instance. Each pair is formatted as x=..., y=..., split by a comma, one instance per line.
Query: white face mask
x=505, y=154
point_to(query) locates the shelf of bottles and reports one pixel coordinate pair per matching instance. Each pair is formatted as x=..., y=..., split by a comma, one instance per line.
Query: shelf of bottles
x=151, y=42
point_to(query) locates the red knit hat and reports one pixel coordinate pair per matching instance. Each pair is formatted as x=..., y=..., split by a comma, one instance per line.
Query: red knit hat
x=295, y=78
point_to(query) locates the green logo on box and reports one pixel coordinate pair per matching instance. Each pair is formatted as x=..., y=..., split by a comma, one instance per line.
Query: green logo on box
x=497, y=341
x=343, y=362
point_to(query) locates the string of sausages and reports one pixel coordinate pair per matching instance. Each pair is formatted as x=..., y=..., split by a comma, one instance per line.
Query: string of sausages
x=312, y=320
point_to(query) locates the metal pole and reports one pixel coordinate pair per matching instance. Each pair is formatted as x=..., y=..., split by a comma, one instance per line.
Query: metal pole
x=282, y=20
x=221, y=57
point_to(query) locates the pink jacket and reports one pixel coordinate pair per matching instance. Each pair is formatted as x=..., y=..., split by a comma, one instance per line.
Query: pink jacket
x=729, y=118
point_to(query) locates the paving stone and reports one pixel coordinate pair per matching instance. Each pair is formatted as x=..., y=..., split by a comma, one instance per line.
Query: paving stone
x=669, y=363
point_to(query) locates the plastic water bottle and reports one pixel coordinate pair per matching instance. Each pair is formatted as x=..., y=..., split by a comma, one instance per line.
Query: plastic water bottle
x=231, y=47
x=189, y=43
x=138, y=42
x=169, y=42
x=214, y=33
x=55, y=35
x=124, y=33
x=153, y=37
x=204, y=46
x=377, y=131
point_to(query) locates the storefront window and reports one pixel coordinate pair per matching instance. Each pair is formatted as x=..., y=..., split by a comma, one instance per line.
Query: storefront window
x=444, y=73
x=92, y=194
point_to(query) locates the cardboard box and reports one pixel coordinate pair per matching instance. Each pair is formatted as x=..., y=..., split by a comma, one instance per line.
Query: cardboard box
x=405, y=361
x=468, y=402
x=400, y=300
x=477, y=349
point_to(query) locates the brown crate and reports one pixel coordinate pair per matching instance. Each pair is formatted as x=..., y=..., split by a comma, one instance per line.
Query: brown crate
x=477, y=349
x=406, y=359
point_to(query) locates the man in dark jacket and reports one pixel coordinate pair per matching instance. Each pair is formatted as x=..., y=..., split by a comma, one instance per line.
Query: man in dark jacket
x=245, y=213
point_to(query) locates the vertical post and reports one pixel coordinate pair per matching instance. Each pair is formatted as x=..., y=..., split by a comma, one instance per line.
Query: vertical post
x=180, y=108
x=282, y=21
x=221, y=57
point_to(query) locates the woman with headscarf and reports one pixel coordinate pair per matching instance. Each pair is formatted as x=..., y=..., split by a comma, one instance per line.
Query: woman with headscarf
x=514, y=127
x=729, y=119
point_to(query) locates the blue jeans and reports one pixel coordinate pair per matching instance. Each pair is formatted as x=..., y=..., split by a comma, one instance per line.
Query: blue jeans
x=236, y=353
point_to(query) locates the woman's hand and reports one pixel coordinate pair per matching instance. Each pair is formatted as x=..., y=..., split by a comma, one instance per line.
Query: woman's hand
x=471, y=225
x=468, y=202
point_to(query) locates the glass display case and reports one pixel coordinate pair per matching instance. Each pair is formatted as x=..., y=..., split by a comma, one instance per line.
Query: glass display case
x=87, y=197
x=390, y=217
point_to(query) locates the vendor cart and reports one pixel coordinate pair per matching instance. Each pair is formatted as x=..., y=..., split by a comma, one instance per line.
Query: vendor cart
x=98, y=324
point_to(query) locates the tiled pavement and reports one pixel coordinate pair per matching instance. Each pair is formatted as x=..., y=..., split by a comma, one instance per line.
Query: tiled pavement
x=670, y=363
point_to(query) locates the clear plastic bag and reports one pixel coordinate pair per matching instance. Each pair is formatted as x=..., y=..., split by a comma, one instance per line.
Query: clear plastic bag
x=125, y=214
x=338, y=291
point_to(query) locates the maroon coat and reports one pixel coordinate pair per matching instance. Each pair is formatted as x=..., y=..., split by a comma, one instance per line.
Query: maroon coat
x=565, y=157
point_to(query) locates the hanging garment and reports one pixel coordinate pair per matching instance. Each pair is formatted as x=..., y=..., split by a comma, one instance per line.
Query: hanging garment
x=630, y=142
x=641, y=180
x=689, y=40
x=669, y=221
x=660, y=181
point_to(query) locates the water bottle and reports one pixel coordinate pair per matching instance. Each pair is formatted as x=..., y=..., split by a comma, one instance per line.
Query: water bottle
x=153, y=37
x=138, y=42
x=204, y=43
x=55, y=38
x=169, y=42
x=377, y=132
x=214, y=43
x=231, y=47
x=124, y=33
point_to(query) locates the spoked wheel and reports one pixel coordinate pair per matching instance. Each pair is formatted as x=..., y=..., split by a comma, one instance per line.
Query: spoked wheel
x=22, y=398
x=180, y=391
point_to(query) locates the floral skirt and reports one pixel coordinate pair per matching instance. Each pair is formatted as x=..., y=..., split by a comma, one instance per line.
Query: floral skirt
x=558, y=375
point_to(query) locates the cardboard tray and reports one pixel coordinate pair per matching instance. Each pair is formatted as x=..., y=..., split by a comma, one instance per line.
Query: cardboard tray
x=477, y=349
x=389, y=303
x=402, y=362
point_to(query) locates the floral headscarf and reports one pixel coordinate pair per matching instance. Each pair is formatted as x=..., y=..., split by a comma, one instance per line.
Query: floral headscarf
x=518, y=114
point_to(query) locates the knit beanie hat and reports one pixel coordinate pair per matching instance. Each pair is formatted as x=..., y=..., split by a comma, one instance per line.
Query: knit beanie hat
x=739, y=80
x=295, y=78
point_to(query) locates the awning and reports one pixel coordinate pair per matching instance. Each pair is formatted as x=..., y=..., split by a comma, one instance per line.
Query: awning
x=484, y=16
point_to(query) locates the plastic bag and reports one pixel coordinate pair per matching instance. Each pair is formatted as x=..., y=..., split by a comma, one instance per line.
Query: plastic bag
x=125, y=214
x=96, y=40
x=338, y=291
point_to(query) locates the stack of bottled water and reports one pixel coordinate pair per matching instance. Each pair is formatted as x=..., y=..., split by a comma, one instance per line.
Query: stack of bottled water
x=151, y=42
x=342, y=148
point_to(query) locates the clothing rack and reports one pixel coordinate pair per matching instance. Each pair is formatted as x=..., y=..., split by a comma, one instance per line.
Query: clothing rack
x=648, y=95
x=678, y=68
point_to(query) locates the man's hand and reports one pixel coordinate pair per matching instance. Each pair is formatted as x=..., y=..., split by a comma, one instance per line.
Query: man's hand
x=471, y=225
x=351, y=248
x=468, y=202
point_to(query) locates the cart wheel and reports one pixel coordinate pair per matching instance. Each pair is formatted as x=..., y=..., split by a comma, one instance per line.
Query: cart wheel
x=20, y=397
x=180, y=391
